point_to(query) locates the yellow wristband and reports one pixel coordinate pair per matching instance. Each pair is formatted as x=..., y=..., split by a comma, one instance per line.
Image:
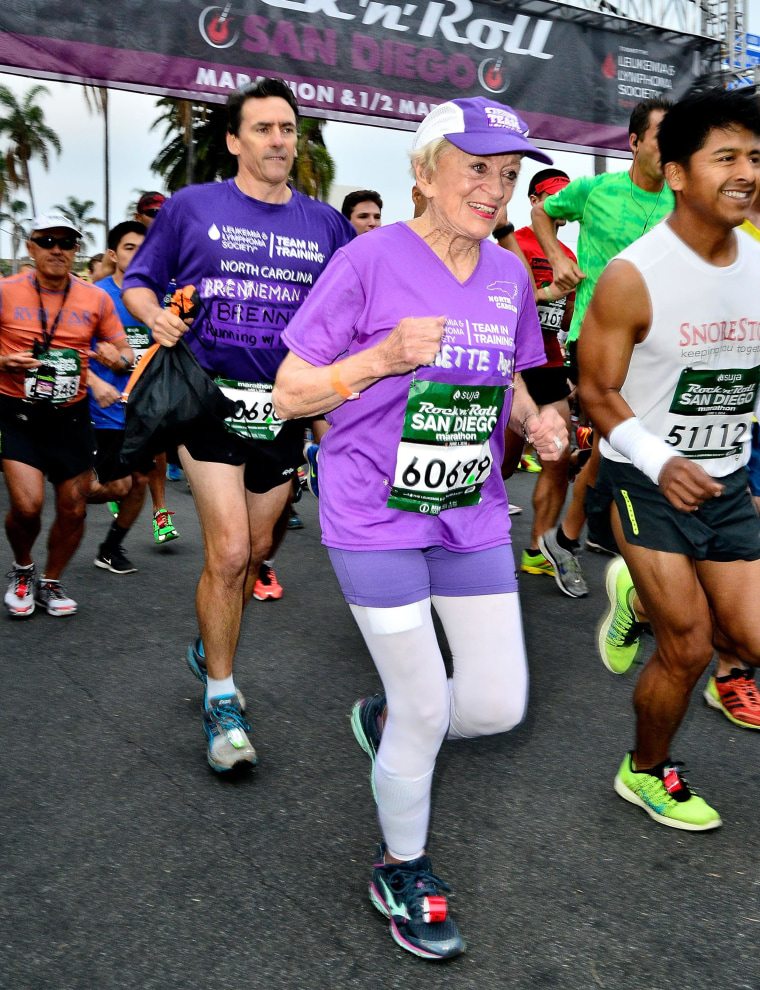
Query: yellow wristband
x=338, y=386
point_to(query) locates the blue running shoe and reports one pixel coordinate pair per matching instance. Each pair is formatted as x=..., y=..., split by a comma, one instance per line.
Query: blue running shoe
x=225, y=728
x=174, y=472
x=294, y=520
x=196, y=661
x=367, y=725
x=311, y=453
x=410, y=896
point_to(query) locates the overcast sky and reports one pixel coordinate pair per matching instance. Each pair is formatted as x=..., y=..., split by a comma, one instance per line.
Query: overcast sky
x=367, y=157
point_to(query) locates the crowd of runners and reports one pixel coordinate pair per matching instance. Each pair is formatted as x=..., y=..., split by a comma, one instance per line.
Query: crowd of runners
x=403, y=373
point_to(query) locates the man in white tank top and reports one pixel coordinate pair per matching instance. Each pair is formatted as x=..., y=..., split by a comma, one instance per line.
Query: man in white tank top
x=670, y=367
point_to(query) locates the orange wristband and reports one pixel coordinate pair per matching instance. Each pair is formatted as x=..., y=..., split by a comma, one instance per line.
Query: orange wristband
x=338, y=385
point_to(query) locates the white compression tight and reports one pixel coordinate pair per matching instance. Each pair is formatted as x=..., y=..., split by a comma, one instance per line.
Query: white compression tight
x=487, y=694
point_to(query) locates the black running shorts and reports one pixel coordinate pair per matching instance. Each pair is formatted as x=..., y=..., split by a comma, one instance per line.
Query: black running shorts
x=56, y=440
x=268, y=463
x=722, y=529
x=107, y=463
x=546, y=385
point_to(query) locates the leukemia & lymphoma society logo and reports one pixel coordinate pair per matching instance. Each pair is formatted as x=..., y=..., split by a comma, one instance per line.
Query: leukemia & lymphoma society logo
x=492, y=76
x=217, y=27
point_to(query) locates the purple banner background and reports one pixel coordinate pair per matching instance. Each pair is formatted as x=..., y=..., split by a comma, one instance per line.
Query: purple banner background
x=366, y=61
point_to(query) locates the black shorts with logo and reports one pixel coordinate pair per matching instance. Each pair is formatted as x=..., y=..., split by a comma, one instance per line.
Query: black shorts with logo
x=722, y=529
x=268, y=463
x=56, y=440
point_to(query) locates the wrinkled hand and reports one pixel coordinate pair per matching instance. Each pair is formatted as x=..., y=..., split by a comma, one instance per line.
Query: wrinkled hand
x=20, y=361
x=686, y=484
x=567, y=275
x=547, y=432
x=416, y=341
x=104, y=393
x=167, y=328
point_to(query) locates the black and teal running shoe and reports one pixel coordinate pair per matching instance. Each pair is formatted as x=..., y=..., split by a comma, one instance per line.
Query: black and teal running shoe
x=412, y=897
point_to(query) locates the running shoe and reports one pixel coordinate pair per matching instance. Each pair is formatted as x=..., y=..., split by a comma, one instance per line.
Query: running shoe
x=19, y=598
x=412, y=897
x=665, y=796
x=294, y=520
x=534, y=562
x=163, y=527
x=567, y=566
x=620, y=632
x=113, y=508
x=267, y=585
x=367, y=725
x=735, y=695
x=529, y=463
x=51, y=596
x=584, y=437
x=196, y=661
x=174, y=472
x=225, y=728
x=114, y=560
x=311, y=453
x=515, y=510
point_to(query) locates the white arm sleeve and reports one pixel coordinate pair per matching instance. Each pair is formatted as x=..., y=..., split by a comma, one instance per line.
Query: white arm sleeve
x=643, y=449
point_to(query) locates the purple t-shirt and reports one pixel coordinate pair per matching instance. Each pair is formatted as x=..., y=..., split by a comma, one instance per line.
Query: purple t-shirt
x=253, y=264
x=492, y=331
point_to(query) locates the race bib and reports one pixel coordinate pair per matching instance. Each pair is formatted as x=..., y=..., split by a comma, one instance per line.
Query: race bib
x=444, y=456
x=138, y=339
x=550, y=315
x=56, y=379
x=253, y=417
x=711, y=412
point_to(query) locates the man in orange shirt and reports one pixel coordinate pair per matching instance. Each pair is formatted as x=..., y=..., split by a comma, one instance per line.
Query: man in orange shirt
x=48, y=318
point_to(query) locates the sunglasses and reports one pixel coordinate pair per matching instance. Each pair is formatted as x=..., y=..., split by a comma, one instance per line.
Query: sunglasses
x=152, y=212
x=64, y=243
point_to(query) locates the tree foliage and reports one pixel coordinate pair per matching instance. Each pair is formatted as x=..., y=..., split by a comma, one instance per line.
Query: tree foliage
x=23, y=122
x=78, y=212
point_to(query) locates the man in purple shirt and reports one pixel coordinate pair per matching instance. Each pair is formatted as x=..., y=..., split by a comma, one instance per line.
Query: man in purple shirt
x=252, y=247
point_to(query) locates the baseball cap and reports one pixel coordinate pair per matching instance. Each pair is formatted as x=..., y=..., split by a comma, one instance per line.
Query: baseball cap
x=46, y=221
x=150, y=201
x=478, y=126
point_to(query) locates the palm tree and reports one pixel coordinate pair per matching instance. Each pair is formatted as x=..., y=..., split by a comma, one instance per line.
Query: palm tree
x=197, y=150
x=313, y=170
x=96, y=98
x=78, y=212
x=14, y=216
x=24, y=123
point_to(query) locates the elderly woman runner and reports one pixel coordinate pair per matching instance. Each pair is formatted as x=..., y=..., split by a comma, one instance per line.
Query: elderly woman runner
x=411, y=342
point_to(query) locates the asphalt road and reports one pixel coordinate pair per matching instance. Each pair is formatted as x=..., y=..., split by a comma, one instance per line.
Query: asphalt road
x=125, y=862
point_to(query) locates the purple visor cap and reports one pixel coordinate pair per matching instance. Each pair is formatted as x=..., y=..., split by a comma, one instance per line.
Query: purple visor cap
x=478, y=126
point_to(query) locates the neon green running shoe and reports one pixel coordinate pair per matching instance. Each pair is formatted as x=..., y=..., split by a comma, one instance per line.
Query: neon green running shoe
x=620, y=632
x=163, y=527
x=113, y=508
x=665, y=796
x=529, y=463
x=534, y=562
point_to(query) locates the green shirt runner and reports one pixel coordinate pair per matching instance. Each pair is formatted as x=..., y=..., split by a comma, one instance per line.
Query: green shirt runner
x=613, y=213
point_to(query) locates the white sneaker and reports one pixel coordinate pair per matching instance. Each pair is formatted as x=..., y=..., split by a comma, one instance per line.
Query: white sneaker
x=51, y=596
x=19, y=598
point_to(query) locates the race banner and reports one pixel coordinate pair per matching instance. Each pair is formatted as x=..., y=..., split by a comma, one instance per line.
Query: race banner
x=574, y=80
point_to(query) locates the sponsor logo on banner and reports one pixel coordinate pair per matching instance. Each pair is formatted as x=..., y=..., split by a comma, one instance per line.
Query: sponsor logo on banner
x=217, y=28
x=492, y=75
